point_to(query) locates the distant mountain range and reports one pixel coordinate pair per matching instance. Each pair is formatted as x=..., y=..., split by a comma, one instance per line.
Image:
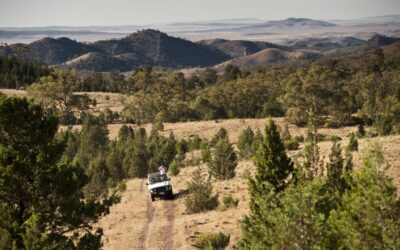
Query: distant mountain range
x=152, y=47
x=276, y=31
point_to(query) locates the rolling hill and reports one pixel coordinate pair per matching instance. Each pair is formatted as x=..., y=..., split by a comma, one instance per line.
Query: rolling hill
x=271, y=56
x=324, y=43
x=48, y=50
x=155, y=48
x=295, y=23
x=238, y=48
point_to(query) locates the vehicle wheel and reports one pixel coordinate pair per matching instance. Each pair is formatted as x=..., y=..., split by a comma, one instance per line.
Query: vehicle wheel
x=171, y=195
x=152, y=198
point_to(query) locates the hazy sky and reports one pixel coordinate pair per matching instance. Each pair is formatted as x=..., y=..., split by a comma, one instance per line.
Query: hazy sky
x=18, y=13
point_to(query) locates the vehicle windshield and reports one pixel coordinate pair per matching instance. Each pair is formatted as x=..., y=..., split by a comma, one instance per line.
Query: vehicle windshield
x=158, y=178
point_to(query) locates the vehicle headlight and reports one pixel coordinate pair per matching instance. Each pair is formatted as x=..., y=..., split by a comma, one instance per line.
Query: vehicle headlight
x=168, y=187
x=152, y=190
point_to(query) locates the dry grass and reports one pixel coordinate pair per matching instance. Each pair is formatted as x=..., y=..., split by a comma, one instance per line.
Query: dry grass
x=185, y=227
x=138, y=223
x=113, y=101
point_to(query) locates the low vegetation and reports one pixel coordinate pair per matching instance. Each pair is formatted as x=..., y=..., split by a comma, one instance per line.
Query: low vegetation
x=229, y=201
x=223, y=161
x=41, y=192
x=55, y=184
x=200, y=198
x=212, y=241
x=342, y=209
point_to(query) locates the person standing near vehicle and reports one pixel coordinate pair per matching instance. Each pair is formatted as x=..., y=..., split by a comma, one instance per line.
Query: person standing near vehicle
x=162, y=169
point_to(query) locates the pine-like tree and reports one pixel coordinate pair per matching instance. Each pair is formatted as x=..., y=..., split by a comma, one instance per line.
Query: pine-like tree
x=286, y=133
x=312, y=165
x=223, y=161
x=275, y=171
x=258, y=138
x=272, y=163
x=245, y=143
x=41, y=195
x=200, y=196
x=221, y=134
x=337, y=171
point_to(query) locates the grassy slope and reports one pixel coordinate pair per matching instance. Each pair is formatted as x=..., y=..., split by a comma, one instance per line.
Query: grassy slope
x=137, y=223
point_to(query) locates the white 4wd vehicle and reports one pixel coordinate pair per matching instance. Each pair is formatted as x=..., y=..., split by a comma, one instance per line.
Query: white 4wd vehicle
x=159, y=186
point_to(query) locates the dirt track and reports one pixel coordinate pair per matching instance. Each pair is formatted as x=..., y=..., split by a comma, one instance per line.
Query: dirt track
x=139, y=223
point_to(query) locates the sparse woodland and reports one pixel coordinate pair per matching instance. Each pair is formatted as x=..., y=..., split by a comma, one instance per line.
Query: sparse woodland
x=54, y=184
x=359, y=89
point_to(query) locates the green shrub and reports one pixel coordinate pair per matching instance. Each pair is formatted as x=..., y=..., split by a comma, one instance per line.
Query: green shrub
x=194, y=142
x=159, y=126
x=383, y=125
x=229, y=201
x=182, y=146
x=332, y=124
x=245, y=143
x=285, y=135
x=298, y=138
x=272, y=109
x=212, y=241
x=174, y=167
x=205, y=152
x=121, y=186
x=291, y=144
x=353, y=143
x=335, y=138
x=200, y=197
x=361, y=130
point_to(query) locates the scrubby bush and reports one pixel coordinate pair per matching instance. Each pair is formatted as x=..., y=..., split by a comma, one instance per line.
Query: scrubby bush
x=229, y=201
x=200, y=198
x=182, y=147
x=361, y=130
x=205, y=152
x=298, y=138
x=194, y=142
x=285, y=135
x=335, y=138
x=332, y=124
x=353, y=143
x=291, y=144
x=159, y=126
x=176, y=165
x=212, y=241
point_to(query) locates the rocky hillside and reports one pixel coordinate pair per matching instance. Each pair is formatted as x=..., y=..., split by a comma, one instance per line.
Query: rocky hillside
x=149, y=47
x=48, y=50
